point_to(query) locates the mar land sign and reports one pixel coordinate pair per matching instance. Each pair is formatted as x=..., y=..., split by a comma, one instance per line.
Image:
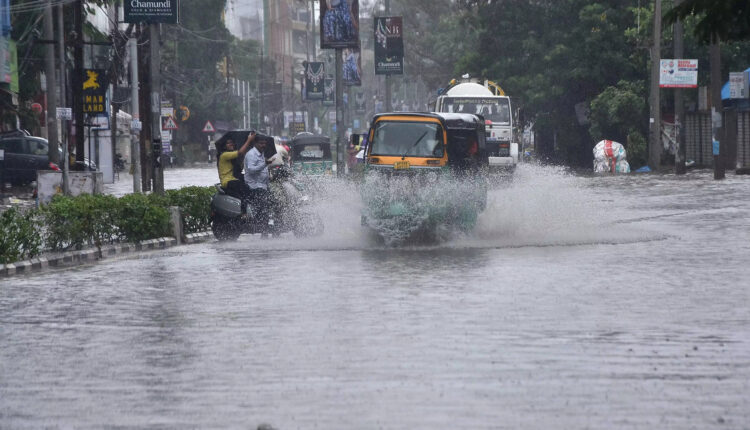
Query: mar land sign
x=674, y=73
x=151, y=11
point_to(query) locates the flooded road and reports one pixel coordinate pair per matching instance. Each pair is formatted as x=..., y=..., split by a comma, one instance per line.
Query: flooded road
x=578, y=302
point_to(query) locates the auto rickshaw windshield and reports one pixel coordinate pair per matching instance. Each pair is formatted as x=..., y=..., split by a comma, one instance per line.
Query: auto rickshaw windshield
x=404, y=138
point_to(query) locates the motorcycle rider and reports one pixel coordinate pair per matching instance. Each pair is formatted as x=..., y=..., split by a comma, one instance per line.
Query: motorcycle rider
x=257, y=181
x=233, y=185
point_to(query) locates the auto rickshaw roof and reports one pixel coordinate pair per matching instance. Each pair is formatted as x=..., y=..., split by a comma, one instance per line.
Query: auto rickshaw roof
x=310, y=139
x=451, y=121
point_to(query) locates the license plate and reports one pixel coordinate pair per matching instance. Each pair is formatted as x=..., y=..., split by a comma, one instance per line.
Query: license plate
x=401, y=165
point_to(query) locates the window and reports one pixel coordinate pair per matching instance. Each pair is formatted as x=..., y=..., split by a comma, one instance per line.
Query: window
x=417, y=139
x=37, y=146
x=14, y=146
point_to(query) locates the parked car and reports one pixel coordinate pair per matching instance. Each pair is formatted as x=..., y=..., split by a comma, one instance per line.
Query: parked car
x=25, y=154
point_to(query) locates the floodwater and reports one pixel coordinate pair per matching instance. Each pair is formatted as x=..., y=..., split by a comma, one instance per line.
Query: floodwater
x=578, y=302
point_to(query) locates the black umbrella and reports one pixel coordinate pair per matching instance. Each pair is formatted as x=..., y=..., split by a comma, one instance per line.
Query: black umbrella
x=239, y=137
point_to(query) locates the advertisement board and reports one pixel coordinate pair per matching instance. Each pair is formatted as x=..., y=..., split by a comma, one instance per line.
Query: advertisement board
x=389, y=46
x=351, y=75
x=339, y=24
x=329, y=92
x=93, y=85
x=315, y=74
x=738, y=85
x=674, y=73
x=156, y=11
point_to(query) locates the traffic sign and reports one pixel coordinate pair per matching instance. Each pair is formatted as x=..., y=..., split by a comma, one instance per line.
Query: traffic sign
x=183, y=113
x=167, y=123
x=64, y=113
x=209, y=128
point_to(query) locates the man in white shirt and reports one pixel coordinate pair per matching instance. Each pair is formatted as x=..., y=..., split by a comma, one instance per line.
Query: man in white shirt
x=257, y=178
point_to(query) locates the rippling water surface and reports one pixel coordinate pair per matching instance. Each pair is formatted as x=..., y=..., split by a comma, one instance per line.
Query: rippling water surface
x=578, y=302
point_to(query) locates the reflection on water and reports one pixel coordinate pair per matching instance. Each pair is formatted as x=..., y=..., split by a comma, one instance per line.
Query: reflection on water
x=607, y=302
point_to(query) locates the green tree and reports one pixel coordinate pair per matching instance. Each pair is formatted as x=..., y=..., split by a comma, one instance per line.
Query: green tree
x=728, y=19
x=554, y=55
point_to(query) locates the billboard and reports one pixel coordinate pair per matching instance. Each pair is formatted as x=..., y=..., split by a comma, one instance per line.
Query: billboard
x=92, y=88
x=329, y=92
x=351, y=75
x=359, y=102
x=315, y=74
x=159, y=11
x=675, y=73
x=339, y=24
x=389, y=46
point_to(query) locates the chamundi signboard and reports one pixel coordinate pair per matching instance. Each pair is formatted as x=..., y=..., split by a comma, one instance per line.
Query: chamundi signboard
x=149, y=11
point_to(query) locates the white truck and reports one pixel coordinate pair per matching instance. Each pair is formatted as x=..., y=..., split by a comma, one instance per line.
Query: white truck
x=489, y=101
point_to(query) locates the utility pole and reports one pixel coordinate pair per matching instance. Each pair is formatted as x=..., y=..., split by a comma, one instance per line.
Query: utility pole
x=339, y=114
x=388, y=105
x=654, y=141
x=144, y=98
x=135, y=137
x=49, y=71
x=679, y=107
x=78, y=81
x=117, y=40
x=64, y=101
x=156, y=107
x=261, y=96
x=716, y=108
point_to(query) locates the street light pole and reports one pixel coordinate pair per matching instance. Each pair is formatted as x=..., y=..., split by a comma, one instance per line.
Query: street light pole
x=679, y=107
x=388, y=104
x=49, y=70
x=339, y=113
x=654, y=141
x=716, y=107
x=158, y=176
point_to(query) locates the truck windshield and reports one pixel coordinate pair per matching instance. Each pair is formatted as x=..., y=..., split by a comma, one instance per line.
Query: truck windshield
x=411, y=139
x=495, y=110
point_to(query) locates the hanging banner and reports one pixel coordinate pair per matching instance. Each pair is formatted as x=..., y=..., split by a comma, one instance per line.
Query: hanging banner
x=359, y=102
x=161, y=11
x=315, y=74
x=351, y=75
x=329, y=92
x=93, y=85
x=389, y=46
x=339, y=24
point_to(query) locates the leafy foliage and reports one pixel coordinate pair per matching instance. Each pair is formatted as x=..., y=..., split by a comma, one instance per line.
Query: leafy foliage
x=194, y=203
x=727, y=19
x=73, y=222
x=19, y=238
x=140, y=217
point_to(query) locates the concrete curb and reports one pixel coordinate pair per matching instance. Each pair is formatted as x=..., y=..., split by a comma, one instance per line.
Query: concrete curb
x=90, y=255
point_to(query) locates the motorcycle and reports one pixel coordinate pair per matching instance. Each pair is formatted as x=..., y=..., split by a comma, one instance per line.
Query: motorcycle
x=290, y=211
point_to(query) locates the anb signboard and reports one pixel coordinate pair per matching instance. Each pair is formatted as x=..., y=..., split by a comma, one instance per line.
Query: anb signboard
x=151, y=11
x=389, y=46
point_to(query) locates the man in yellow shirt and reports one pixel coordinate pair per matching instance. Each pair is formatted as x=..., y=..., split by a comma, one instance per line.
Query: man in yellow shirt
x=232, y=185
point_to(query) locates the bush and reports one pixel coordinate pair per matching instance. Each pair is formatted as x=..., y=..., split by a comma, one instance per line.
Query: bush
x=72, y=222
x=194, y=203
x=19, y=237
x=140, y=217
